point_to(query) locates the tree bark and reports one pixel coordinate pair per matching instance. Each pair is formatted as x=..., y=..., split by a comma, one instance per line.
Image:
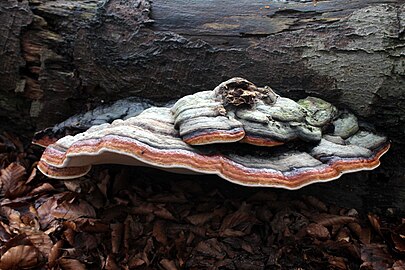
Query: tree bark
x=61, y=57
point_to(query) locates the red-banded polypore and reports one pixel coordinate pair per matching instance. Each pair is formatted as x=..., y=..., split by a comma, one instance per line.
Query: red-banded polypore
x=243, y=133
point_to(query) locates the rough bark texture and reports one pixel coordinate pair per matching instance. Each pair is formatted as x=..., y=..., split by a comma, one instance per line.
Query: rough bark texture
x=62, y=57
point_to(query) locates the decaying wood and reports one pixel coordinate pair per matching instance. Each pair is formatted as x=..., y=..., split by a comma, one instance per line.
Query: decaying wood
x=62, y=57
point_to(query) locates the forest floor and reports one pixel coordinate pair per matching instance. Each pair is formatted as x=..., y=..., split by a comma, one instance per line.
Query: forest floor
x=119, y=217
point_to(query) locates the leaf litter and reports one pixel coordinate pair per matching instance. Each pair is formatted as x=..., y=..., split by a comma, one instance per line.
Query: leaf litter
x=124, y=218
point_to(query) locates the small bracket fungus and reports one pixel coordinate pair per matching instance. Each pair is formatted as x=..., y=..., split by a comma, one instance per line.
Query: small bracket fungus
x=311, y=140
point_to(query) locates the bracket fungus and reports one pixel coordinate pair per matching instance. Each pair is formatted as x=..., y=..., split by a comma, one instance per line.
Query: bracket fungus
x=243, y=133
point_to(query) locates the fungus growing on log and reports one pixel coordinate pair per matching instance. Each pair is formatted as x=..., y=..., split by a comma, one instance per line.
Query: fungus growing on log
x=309, y=145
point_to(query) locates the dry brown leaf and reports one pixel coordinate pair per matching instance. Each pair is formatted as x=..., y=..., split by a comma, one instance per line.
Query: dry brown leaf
x=159, y=232
x=200, y=219
x=231, y=233
x=149, y=208
x=398, y=238
x=376, y=257
x=117, y=230
x=19, y=190
x=74, y=185
x=316, y=203
x=338, y=263
x=90, y=225
x=45, y=208
x=104, y=180
x=242, y=219
x=44, y=188
x=355, y=228
x=365, y=236
x=40, y=240
x=69, y=235
x=143, y=209
x=317, y=231
x=86, y=241
x=129, y=230
x=398, y=265
x=73, y=210
x=20, y=257
x=5, y=233
x=32, y=174
x=288, y=219
x=375, y=223
x=329, y=220
x=147, y=249
x=10, y=180
x=164, y=213
x=136, y=261
x=211, y=248
x=55, y=253
x=247, y=247
x=71, y=264
x=343, y=235
x=13, y=216
x=111, y=264
x=11, y=175
x=168, y=264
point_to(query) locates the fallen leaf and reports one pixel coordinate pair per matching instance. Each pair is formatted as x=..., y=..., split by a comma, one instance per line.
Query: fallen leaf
x=200, y=219
x=211, y=248
x=355, y=228
x=159, y=232
x=20, y=257
x=375, y=223
x=44, y=188
x=376, y=257
x=40, y=240
x=111, y=264
x=168, y=264
x=73, y=210
x=398, y=265
x=317, y=231
x=5, y=233
x=71, y=264
x=343, y=235
x=365, y=236
x=238, y=222
x=136, y=261
x=10, y=178
x=329, y=220
x=117, y=230
x=33, y=174
x=316, y=203
x=338, y=263
x=55, y=253
x=398, y=238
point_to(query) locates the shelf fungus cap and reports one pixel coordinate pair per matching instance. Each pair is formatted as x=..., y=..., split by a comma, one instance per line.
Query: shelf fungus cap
x=319, y=111
x=237, y=110
x=152, y=139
